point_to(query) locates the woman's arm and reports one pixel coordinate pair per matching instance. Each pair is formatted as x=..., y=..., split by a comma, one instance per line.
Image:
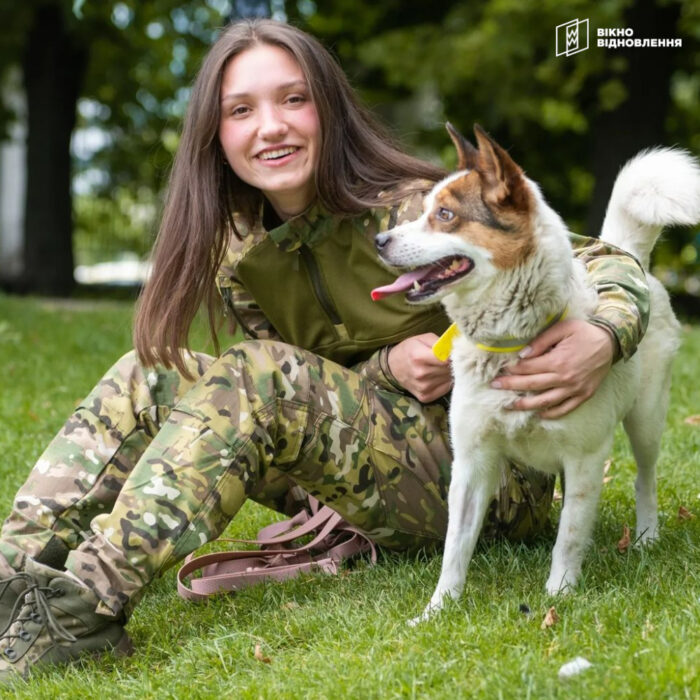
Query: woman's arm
x=410, y=366
x=623, y=292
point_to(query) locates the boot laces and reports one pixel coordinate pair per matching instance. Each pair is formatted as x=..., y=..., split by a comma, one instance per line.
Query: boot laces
x=19, y=576
x=35, y=608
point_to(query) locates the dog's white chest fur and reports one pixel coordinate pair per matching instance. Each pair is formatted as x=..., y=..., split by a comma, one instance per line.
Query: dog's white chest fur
x=481, y=413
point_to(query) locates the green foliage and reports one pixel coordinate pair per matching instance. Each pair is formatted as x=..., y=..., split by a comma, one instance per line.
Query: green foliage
x=417, y=64
x=142, y=57
x=106, y=227
x=137, y=86
x=635, y=616
x=493, y=62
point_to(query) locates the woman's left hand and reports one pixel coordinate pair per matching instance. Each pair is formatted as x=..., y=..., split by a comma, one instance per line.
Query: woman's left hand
x=564, y=365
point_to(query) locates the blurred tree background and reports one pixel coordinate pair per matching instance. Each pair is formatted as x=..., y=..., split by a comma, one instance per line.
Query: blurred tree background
x=106, y=85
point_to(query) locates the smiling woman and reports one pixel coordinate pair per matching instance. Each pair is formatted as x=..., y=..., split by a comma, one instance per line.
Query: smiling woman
x=280, y=184
x=264, y=87
x=269, y=128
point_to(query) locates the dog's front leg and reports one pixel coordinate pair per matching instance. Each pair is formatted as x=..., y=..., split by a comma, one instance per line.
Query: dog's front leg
x=584, y=479
x=473, y=483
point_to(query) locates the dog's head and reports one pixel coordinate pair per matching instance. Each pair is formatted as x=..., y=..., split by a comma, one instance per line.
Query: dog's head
x=476, y=223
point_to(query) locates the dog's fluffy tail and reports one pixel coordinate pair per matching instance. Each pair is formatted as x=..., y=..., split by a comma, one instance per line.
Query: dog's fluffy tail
x=657, y=188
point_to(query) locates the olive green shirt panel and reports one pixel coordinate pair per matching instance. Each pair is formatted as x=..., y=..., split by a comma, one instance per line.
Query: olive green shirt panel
x=348, y=270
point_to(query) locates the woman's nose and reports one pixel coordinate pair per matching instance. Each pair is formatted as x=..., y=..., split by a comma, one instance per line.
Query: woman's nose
x=272, y=123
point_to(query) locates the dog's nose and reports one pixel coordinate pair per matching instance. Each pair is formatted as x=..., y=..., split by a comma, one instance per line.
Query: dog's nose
x=380, y=240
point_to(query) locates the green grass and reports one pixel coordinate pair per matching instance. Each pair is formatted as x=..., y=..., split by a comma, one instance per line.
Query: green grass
x=636, y=616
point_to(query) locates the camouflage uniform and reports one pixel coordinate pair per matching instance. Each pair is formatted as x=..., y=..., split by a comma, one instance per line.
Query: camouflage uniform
x=152, y=465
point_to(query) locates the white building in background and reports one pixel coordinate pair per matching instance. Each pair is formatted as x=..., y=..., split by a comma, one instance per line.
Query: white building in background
x=13, y=178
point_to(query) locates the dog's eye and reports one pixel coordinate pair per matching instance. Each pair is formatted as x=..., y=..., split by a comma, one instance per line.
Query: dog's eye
x=443, y=214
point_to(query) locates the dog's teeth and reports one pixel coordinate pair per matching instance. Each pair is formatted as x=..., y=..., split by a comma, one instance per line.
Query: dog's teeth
x=416, y=286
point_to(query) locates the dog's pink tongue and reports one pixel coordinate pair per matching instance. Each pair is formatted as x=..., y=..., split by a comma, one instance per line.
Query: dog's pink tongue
x=401, y=284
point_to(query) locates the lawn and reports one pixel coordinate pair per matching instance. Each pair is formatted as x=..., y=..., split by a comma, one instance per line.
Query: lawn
x=635, y=617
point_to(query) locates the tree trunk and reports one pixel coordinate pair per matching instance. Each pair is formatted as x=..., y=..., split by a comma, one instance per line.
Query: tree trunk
x=639, y=121
x=54, y=66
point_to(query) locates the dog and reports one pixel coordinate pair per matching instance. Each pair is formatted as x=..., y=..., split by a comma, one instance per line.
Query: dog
x=499, y=258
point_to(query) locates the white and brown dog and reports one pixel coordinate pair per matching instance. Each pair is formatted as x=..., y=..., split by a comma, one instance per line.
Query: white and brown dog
x=500, y=260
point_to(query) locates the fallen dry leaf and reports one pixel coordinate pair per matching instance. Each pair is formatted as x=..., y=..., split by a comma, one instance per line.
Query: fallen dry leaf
x=692, y=420
x=551, y=618
x=260, y=656
x=606, y=469
x=685, y=514
x=290, y=605
x=625, y=541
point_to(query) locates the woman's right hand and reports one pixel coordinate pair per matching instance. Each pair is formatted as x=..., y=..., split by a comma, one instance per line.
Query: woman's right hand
x=417, y=370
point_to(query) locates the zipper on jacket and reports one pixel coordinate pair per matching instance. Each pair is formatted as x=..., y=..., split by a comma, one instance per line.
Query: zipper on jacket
x=227, y=298
x=317, y=283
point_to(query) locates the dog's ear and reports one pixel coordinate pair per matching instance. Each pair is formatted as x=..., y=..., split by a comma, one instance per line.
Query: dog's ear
x=501, y=176
x=466, y=153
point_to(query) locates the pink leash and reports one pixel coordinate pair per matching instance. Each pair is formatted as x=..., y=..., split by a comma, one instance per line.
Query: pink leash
x=334, y=539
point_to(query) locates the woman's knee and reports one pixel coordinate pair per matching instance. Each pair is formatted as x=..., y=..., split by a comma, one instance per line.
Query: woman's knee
x=268, y=370
x=129, y=386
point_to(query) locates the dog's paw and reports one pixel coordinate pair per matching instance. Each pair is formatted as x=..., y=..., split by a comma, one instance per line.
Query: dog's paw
x=647, y=536
x=559, y=585
x=429, y=612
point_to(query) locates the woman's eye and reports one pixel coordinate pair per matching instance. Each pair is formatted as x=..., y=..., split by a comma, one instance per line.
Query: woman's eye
x=296, y=99
x=444, y=214
x=239, y=111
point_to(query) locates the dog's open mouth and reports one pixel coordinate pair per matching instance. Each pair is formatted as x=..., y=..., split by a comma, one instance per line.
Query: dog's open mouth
x=425, y=281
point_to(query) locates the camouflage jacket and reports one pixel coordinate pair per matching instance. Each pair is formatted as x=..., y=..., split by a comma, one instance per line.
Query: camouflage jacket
x=308, y=281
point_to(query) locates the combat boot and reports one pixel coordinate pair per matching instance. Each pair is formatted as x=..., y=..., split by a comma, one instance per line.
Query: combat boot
x=12, y=585
x=55, y=624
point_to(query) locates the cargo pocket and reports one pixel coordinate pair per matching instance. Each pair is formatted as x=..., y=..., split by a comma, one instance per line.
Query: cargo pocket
x=409, y=447
x=336, y=464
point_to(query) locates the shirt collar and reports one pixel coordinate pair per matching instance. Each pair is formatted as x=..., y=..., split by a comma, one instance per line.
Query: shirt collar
x=307, y=228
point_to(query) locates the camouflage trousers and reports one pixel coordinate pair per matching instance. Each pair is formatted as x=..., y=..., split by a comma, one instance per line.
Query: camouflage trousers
x=152, y=465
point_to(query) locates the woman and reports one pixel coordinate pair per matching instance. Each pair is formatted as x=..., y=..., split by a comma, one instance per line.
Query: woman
x=280, y=183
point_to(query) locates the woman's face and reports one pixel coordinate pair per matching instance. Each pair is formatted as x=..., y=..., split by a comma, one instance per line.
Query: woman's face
x=269, y=127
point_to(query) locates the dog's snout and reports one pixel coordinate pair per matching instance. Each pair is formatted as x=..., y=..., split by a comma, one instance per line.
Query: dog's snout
x=381, y=240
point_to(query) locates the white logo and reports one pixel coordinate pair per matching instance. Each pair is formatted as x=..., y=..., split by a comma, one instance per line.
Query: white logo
x=572, y=37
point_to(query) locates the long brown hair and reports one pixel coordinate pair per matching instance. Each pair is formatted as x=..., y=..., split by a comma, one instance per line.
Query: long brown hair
x=357, y=161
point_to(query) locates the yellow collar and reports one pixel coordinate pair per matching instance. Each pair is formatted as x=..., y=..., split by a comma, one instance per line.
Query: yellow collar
x=443, y=345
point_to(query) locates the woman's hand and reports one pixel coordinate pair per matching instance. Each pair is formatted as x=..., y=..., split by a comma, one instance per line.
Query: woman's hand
x=565, y=366
x=417, y=370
